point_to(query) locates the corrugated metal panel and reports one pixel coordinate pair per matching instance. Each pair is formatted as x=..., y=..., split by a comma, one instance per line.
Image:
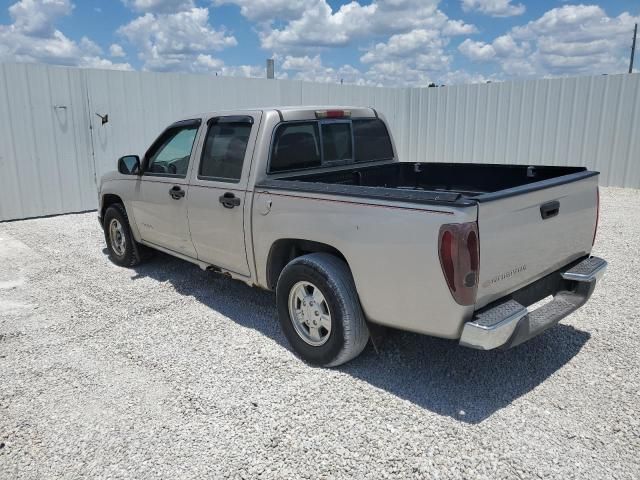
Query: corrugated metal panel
x=44, y=143
x=590, y=121
x=53, y=146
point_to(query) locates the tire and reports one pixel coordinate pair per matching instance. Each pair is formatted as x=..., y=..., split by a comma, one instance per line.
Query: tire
x=348, y=333
x=124, y=251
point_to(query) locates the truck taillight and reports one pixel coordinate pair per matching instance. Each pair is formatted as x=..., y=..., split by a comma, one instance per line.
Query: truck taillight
x=459, y=251
x=333, y=113
x=595, y=229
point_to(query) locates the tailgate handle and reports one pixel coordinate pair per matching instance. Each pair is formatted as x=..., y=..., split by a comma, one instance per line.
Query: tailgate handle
x=549, y=209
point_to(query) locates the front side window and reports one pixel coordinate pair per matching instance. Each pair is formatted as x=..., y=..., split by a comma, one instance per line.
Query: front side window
x=224, y=149
x=170, y=155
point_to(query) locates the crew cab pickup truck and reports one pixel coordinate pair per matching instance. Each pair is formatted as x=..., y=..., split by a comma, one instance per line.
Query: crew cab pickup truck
x=312, y=202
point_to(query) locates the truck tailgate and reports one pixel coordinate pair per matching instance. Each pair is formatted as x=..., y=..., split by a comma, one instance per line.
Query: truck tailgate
x=519, y=246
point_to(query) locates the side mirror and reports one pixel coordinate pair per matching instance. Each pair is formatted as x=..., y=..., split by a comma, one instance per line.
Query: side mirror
x=129, y=165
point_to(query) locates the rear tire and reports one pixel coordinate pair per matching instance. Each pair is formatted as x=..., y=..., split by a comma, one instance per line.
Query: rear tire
x=319, y=310
x=123, y=249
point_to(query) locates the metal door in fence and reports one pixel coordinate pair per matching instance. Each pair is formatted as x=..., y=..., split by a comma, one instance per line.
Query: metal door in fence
x=45, y=149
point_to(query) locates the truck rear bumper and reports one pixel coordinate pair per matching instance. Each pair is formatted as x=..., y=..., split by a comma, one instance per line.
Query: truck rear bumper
x=507, y=322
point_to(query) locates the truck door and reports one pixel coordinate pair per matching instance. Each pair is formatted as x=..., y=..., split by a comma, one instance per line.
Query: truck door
x=218, y=197
x=160, y=201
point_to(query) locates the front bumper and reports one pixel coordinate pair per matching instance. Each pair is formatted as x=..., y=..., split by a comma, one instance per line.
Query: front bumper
x=508, y=322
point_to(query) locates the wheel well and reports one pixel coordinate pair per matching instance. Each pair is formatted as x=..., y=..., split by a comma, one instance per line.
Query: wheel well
x=107, y=200
x=286, y=249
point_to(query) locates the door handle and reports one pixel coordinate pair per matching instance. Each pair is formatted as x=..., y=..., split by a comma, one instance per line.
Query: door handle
x=549, y=209
x=176, y=192
x=229, y=200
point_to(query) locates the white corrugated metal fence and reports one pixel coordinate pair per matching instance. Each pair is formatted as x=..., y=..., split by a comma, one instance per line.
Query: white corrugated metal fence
x=53, y=144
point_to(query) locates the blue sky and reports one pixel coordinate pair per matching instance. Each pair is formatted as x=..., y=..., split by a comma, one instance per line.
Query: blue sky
x=375, y=42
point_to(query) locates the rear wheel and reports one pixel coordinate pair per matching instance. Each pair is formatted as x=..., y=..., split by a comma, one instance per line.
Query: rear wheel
x=319, y=310
x=123, y=249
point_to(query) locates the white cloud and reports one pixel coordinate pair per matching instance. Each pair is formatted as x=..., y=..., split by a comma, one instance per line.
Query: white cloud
x=116, y=51
x=206, y=63
x=253, y=71
x=319, y=26
x=404, y=45
x=302, y=63
x=37, y=17
x=418, y=56
x=312, y=69
x=267, y=10
x=569, y=40
x=33, y=37
x=307, y=24
x=90, y=47
x=415, y=50
x=495, y=8
x=477, y=51
x=159, y=6
x=391, y=72
x=463, y=76
x=175, y=42
x=399, y=73
x=103, y=63
x=458, y=27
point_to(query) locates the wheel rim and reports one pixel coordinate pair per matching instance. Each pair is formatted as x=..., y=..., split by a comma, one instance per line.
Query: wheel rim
x=116, y=237
x=309, y=313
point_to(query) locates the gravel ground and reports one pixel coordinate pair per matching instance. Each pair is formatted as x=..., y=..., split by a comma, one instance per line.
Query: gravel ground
x=166, y=371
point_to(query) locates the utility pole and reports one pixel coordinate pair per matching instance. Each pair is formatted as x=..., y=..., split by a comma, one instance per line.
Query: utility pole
x=633, y=48
x=271, y=68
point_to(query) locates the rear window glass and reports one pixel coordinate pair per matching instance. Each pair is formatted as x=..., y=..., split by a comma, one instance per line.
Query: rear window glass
x=371, y=140
x=336, y=142
x=302, y=145
x=295, y=146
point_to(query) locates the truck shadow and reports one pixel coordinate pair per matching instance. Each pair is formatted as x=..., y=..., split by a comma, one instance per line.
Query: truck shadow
x=435, y=374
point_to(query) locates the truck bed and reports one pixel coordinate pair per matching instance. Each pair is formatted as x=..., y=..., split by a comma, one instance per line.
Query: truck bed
x=457, y=183
x=532, y=220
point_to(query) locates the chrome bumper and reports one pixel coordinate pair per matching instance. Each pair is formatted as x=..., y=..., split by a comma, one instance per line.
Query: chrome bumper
x=509, y=323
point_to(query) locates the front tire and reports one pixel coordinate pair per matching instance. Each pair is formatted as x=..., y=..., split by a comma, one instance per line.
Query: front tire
x=122, y=247
x=319, y=310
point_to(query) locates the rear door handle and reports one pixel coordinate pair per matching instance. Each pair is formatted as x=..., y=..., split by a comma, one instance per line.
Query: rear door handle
x=229, y=200
x=549, y=209
x=176, y=192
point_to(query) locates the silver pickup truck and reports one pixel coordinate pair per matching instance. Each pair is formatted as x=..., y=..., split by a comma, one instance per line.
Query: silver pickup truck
x=313, y=203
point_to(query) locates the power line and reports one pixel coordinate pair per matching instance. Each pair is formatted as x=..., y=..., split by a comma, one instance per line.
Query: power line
x=633, y=48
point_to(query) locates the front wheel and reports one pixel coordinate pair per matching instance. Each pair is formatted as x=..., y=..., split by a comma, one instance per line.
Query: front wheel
x=319, y=310
x=123, y=249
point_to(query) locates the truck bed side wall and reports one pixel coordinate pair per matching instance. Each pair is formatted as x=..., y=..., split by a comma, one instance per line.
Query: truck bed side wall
x=392, y=250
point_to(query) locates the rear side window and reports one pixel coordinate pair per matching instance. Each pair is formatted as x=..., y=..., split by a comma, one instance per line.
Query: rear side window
x=224, y=149
x=371, y=140
x=295, y=146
